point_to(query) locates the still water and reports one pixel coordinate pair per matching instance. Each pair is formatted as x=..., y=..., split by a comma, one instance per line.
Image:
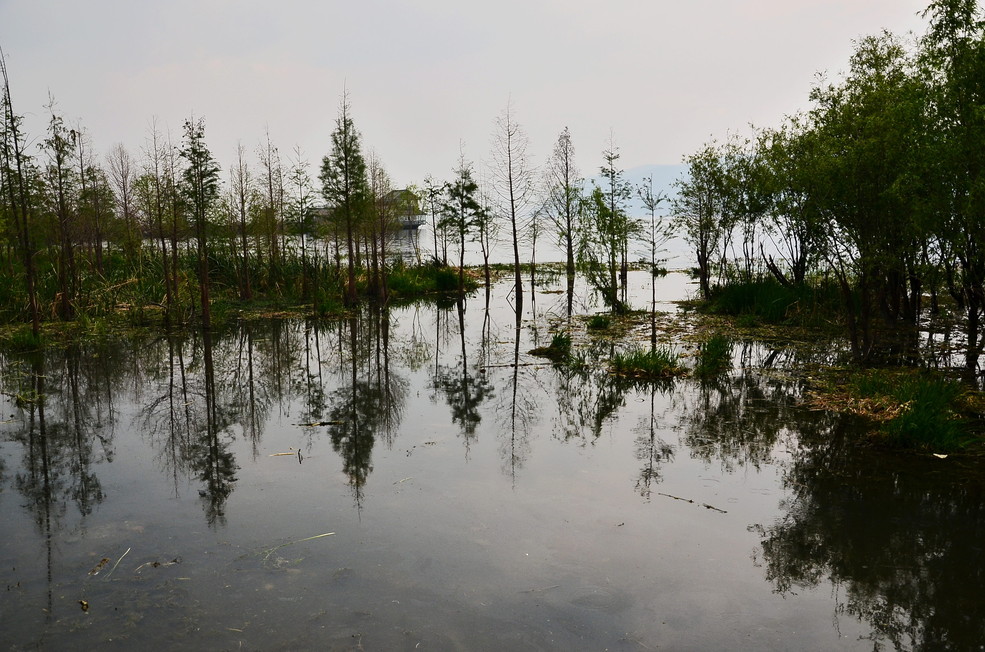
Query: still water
x=413, y=478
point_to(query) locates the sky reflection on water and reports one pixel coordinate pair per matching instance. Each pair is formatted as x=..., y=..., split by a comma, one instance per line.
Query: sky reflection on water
x=478, y=497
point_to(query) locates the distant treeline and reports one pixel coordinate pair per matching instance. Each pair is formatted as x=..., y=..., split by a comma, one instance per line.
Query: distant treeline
x=879, y=187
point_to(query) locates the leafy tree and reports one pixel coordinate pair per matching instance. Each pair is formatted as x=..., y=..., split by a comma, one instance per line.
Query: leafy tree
x=61, y=189
x=15, y=170
x=345, y=187
x=201, y=187
x=698, y=208
x=460, y=210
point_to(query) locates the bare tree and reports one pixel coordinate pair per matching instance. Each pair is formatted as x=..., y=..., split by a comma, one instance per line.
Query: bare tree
x=512, y=178
x=123, y=175
x=563, y=198
x=241, y=189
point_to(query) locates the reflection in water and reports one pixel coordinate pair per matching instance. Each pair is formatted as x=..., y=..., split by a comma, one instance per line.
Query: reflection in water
x=369, y=402
x=895, y=537
x=738, y=419
x=651, y=449
x=899, y=546
x=465, y=387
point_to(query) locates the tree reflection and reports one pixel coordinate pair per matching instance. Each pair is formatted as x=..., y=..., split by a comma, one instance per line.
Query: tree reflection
x=465, y=389
x=651, y=449
x=738, y=419
x=893, y=535
x=588, y=396
x=369, y=402
x=209, y=454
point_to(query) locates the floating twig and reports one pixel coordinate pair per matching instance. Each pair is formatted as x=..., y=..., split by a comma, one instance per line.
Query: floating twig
x=117, y=563
x=688, y=500
x=271, y=551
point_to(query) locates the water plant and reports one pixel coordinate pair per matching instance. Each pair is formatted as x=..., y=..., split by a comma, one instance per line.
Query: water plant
x=654, y=364
x=558, y=350
x=599, y=322
x=714, y=357
x=914, y=410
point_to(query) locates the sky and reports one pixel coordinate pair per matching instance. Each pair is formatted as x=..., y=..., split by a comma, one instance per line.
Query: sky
x=427, y=79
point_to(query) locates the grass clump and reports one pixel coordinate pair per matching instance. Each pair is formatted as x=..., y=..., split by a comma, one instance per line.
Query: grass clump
x=558, y=350
x=914, y=410
x=714, y=357
x=599, y=322
x=655, y=364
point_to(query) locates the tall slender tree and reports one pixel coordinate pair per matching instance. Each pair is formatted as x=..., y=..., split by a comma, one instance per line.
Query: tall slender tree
x=16, y=186
x=512, y=181
x=345, y=187
x=201, y=187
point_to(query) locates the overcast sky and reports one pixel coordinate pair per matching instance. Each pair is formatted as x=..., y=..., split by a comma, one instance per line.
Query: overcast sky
x=663, y=76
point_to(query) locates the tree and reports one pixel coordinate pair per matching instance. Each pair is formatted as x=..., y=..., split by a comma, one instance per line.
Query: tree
x=123, y=175
x=698, y=207
x=563, y=199
x=512, y=182
x=272, y=181
x=460, y=210
x=433, y=191
x=952, y=66
x=300, y=203
x=201, y=187
x=345, y=187
x=60, y=184
x=656, y=238
x=242, y=187
x=14, y=180
x=606, y=232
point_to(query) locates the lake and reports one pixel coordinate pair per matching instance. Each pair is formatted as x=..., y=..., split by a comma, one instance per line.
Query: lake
x=412, y=479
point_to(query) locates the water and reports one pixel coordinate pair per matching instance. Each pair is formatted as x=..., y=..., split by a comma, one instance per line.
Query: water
x=478, y=497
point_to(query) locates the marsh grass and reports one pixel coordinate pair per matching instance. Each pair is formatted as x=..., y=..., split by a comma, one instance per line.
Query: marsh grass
x=558, y=350
x=598, y=322
x=638, y=364
x=714, y=357
x=770, y=302
x=916, y=410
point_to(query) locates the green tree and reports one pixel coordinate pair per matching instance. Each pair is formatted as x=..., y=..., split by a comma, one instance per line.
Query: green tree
x=698, y=207
x=201, y=187
x=345, y=186
x=460, y=209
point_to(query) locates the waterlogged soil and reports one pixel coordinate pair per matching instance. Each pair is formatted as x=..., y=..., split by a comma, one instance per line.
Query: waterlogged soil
x=414, y=479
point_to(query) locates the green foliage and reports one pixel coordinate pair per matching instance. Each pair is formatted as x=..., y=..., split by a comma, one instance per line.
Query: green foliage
x=656, y=364
x=559, y=349
x=599, y=322
x=770, y=301
x=714, y=357
x=924, y=412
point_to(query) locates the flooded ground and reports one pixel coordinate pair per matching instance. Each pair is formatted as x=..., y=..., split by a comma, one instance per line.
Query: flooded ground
x=414, y=479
